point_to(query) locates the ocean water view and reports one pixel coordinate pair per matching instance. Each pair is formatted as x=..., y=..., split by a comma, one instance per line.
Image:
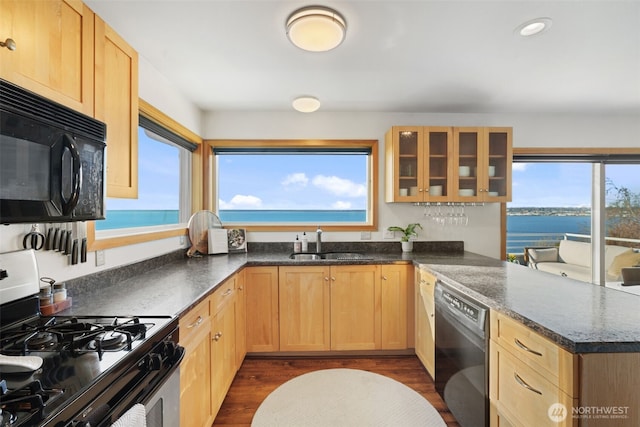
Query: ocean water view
x=136, y=218
x=522, y=230
x=540, y=230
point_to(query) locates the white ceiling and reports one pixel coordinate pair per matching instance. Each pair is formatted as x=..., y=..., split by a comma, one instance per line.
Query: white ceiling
x=425, y=56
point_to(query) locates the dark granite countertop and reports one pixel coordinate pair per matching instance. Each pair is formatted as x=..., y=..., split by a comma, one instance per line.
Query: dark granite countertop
x=580, y=317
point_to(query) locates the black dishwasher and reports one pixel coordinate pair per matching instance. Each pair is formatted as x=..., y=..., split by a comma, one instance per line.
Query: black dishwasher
x=461, y=356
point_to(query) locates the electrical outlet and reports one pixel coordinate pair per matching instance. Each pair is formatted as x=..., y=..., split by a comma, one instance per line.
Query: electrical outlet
x=99, y=258
x=389, y=234
x=182, y=240
x=365, y=235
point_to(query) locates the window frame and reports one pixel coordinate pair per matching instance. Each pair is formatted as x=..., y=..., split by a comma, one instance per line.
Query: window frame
x=588, y=155
x=210, y=193
x=136, y=235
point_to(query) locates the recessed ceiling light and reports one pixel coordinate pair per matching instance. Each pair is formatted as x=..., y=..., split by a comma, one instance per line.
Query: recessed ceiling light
x=316, y=28
x=306, y=104
x=534, y=26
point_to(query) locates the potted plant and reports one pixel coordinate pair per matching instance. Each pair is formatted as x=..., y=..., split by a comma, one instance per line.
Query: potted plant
x=407, y=233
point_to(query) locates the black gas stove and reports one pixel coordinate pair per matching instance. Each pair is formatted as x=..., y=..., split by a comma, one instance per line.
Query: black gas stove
x=73, y=371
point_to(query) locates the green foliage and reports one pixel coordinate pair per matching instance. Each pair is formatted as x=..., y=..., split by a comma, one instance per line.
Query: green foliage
x=623, y=214
x=406, y=232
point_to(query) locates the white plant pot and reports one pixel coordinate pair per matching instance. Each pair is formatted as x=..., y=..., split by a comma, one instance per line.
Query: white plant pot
x=407, y=246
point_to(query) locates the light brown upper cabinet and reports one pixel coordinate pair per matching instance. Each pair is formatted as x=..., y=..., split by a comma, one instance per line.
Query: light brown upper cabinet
x=54, y=50
x=447, y=164
x=482, y=164
x=116, y=88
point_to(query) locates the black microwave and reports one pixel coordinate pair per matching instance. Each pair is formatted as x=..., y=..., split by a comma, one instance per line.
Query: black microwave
x=51, y=160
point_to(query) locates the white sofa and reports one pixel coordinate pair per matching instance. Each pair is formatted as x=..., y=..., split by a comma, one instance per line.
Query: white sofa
x=573, y=259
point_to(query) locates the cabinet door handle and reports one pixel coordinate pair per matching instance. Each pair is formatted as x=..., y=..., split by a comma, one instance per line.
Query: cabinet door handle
x=524, y=384
x=326, y=278
x=196, y=323
x=384, y=277
x=525, y=348
x=227, y=292
x=217, y=336
x=333, y=278
x=241, y=288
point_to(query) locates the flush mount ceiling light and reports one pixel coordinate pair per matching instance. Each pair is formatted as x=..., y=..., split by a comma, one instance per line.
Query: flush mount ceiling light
x=535, y=26
x=306, y=104
x=316, y=28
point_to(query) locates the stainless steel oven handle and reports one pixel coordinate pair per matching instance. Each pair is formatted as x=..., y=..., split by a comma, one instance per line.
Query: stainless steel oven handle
x=525, y=348
x=524, y=384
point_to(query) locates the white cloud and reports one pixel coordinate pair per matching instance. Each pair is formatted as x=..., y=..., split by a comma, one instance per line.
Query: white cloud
x=339, y=186
x=518, y=167
x=240, y=201
x=341, y=205
x=298, y=179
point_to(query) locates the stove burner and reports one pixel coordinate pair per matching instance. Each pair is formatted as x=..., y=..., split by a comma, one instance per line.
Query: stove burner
x=41, y=341
x=74, y=335
x=108, y=341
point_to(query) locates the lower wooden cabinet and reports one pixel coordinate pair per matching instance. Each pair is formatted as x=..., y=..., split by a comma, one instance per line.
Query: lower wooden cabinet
x=355, y=307
x=345, y=307
x=261, y=293
x=425, y=319
x=304, y=304
x=195, y=369
x=396, y=310
x=209, y=334
x=241, y=319
x=223, y=342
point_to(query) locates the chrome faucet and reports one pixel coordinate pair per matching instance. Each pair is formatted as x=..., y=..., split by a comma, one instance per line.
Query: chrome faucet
x=319, y=239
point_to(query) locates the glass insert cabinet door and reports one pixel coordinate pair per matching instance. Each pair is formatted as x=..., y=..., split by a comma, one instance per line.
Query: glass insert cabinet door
x=418, y=164
x=442, y=164
x=483, y=164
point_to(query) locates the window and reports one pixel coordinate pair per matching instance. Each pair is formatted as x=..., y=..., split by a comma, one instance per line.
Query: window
x=163, y=205
x=162, y=168
x=560, y=197
x=291, y=183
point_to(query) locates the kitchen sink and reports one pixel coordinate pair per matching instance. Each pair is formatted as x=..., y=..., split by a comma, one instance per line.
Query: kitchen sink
x=329, y=256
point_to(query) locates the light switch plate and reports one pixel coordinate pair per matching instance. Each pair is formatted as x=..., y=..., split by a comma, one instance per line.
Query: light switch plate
x=365, y=235
x=99, y=258
x=389, y=234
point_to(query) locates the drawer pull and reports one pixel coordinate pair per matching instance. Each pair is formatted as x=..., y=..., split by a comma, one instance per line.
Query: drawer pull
x=525, y=348
x=227, y=292
x=217, y=336
x=524, y=384
x=196, y=323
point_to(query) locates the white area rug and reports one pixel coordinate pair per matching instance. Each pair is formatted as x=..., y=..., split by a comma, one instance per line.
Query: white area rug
x=345, y=397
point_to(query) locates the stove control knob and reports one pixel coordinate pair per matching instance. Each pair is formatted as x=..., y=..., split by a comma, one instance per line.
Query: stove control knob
x=155, y=362
x=169, y=349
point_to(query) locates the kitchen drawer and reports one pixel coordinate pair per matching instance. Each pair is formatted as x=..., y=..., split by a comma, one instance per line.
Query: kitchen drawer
x=195, y=320
x=223, y=294
x=554, y=363
x=523, y=394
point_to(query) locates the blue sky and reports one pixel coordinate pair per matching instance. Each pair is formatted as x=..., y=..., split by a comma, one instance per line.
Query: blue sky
x=159, y=184
x=293, y=182
x=564, y=184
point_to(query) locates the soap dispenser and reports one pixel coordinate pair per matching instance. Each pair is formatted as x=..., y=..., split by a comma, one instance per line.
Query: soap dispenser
x=305, y=242
x=297, y=245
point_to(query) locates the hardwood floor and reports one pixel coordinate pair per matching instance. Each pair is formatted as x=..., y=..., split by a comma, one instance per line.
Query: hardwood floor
x=258, y=377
